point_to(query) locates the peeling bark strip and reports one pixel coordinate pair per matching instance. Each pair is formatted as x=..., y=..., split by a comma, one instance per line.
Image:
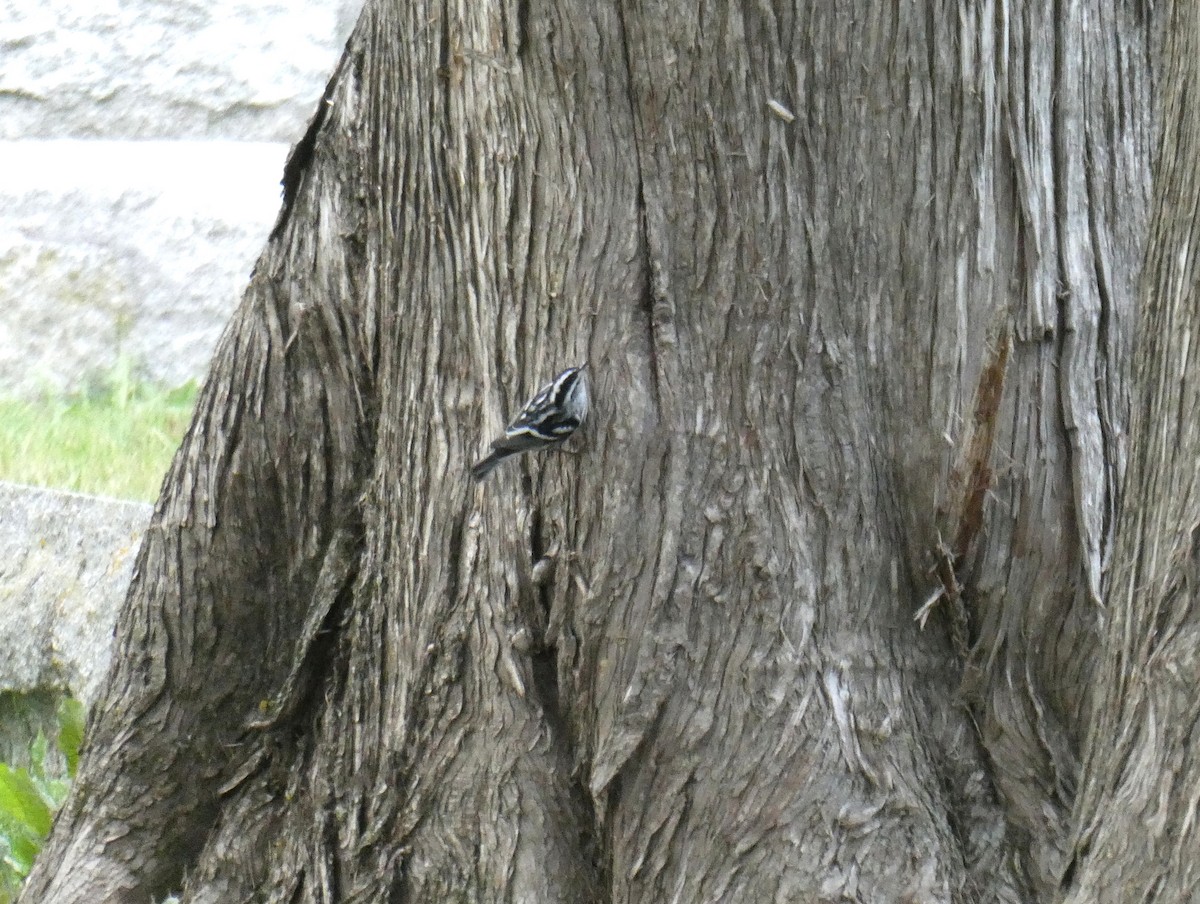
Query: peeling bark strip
x=969, y=484
x=977, y=480
x=680, y=665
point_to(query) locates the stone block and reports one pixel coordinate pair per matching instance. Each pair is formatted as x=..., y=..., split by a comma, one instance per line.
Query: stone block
x=113, y=249
x=66, y=561
x=147, y=69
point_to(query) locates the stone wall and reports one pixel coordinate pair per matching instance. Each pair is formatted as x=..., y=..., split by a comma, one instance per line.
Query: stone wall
x=141, y=147
x=65, y=563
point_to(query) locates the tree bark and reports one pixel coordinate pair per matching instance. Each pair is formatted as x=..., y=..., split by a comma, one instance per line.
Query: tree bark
x=1135, y=836
x=857, y=288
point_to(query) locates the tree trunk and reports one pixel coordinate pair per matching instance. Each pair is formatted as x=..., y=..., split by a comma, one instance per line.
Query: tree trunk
x=857, y=290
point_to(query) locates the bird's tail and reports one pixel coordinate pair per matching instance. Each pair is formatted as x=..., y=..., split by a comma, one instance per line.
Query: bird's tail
x=489, y=464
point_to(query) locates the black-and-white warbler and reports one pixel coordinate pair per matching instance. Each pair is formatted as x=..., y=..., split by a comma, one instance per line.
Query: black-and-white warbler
x=552, y=415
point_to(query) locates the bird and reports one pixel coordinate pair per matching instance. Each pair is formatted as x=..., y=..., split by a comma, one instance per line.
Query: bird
x=554, y=413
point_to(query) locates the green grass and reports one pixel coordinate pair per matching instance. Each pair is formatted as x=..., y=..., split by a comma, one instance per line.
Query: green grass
x=115, y=440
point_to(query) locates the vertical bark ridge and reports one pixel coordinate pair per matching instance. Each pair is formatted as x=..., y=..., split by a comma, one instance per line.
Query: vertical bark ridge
x=769, y=498
x=1134, y=821
x=1069, y=223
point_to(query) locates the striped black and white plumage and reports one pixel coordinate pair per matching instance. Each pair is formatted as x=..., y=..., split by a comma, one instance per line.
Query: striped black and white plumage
x=552, y=415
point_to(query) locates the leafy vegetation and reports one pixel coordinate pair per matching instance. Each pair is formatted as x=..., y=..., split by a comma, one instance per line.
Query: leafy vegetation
x=116, y=439
x=29, y=797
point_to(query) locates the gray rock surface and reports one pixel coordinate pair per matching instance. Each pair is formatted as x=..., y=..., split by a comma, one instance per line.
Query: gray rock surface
x=141, y=147
x=66, y=561
x=173, y=69
x=135, y=249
